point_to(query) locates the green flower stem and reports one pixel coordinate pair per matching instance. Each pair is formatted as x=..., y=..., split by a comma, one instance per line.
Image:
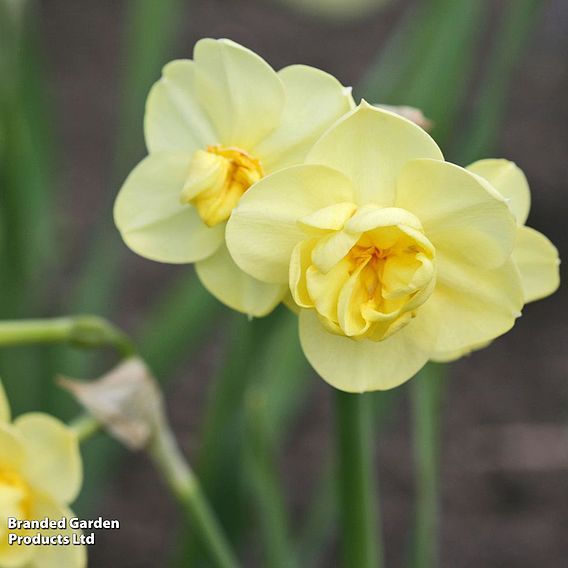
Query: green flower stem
x=320, y=521
x=428, y=392
x=186, y=488
x=322, y=515
x=359, y=523
x=79, y=331
x=150, y=34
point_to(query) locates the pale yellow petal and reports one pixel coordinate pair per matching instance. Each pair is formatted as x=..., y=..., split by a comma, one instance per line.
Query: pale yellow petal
x=331, y=249
x=14, y=556
x=12, y=453
x=510, y=181
x=174, y=119
x=264, y=228
x=472, y=305
x=351, y=303
x=369, y=218
x=538, y=263
x=11, y=497
x=325, y=289
x=153, y=221
x=298, y=276
x=53, y=464
x=236, y=289
x=449, y=356
x=331, y=218
x=359, y=366
x=460, y=214
x=57, y=556
x=4, y=405
x=314, y=101
x=371, y=146
x=241, y=93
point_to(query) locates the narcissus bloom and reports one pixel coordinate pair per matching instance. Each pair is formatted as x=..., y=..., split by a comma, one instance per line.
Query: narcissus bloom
x=214, y=126
x=40, y=475
x=392, y=255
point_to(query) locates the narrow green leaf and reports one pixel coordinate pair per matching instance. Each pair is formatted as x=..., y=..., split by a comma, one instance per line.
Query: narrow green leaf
x=280, y=380
x=264, y=484
x=437, y=86
x=401, y=55
x=181, y=320
x=321, y=518
x=486, y=120
x=151, y=33
x=27, y=236
x=428, y=61
x=284, y=376
x=264, y=363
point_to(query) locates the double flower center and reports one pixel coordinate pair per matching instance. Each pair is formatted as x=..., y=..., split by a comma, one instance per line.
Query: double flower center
x=217, y=179
x=365, y=275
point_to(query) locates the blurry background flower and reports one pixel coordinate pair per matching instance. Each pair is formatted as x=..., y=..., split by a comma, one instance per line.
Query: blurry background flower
x=40, y=475
x=492, y=77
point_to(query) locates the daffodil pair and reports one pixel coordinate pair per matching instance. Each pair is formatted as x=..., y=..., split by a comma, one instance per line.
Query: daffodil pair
x=281, y=190
x=40, y=475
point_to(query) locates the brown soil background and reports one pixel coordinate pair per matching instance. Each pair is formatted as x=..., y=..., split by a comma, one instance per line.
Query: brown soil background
x=496, y=515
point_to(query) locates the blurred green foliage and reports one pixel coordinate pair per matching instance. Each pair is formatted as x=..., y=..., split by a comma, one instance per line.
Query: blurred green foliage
x=28, y=247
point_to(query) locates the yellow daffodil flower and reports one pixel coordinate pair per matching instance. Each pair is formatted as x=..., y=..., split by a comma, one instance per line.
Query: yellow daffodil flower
x=214, y=126
x=534, y=255
x=40, y=475
x=393, y=255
